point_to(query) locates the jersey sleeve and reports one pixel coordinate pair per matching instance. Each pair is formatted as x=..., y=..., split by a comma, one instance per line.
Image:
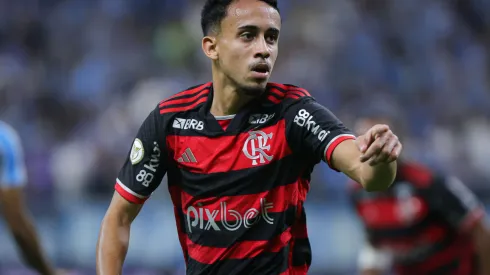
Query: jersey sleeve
x=455, y=202
x=145, y=165
x=12, y=164
x=313, y=130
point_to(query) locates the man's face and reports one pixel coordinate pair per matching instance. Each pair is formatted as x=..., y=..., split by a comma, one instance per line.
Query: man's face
x=247, y=44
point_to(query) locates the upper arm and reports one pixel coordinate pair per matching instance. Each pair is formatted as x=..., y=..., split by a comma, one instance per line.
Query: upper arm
x=12, y=165
x=146, y=162
x=313, y=130
x=12, y=205
x=481, y=232
x=12, y=177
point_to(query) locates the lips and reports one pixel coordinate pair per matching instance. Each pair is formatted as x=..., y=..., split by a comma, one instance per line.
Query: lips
x=261, y=68
x=261, y=71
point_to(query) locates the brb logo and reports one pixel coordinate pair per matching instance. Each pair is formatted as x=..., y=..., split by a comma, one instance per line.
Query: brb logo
x=256, y=145
x=205, y=218
x=185, y=124
x=260, y=118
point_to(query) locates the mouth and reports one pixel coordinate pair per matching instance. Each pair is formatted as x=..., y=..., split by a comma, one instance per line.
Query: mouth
x=261, y=70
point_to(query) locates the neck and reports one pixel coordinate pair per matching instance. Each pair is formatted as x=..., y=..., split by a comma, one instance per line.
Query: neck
x=227, y=98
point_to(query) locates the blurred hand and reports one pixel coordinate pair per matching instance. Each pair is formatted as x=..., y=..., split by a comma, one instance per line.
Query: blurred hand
x=379, y=145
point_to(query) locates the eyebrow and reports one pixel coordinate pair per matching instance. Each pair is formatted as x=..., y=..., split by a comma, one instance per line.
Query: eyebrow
x=252, y=27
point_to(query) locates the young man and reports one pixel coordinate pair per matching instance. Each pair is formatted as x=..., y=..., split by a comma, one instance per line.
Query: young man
x=12, y=205
x=238, y=152
x=427, y=223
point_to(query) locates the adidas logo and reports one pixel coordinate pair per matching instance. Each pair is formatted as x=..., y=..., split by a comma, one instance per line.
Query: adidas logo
x=187, y=156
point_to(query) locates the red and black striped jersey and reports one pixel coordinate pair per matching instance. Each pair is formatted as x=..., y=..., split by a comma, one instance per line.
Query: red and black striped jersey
x=423, y=221
x=238, y=189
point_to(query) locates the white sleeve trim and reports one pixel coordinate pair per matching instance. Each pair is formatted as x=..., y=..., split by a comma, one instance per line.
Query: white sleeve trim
x=374, y=258
x=129, y=190
x=333, y=140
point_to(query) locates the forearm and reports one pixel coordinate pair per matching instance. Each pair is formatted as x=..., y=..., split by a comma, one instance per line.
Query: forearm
x=483, y=249
x=485, y=265
x=29, y=245
x=378, y=177
x=112, y=246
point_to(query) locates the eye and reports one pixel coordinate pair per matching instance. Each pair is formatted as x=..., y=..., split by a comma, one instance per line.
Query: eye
x=247, y=36
x=272, y=38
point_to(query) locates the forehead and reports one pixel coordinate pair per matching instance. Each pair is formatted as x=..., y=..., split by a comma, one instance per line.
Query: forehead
x=251, y=13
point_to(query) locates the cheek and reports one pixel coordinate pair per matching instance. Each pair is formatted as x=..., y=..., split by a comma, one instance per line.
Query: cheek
x=236, y=55
x=237, y=59
x=233, y=65
x=231, y=51
x=274, y=53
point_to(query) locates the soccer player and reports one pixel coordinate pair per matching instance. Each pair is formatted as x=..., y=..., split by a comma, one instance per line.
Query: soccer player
x=426, y=223
x=12, y=205
x=238, y=153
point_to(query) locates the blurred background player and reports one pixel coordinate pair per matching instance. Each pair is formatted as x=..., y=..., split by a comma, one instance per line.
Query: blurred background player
x=426, y=223
x=13, y=177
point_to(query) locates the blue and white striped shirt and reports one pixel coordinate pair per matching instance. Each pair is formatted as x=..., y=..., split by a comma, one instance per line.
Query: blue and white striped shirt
x=12, y=165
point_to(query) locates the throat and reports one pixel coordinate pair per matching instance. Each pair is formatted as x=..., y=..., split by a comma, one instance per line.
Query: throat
x=228, y=102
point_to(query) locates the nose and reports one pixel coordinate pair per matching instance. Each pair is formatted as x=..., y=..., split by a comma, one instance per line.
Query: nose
x=261, y=49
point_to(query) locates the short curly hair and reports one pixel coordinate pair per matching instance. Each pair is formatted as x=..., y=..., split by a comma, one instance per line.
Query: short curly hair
x=214, y=11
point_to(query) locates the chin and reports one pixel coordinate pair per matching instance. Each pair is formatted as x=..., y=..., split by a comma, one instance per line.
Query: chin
x=254, y=89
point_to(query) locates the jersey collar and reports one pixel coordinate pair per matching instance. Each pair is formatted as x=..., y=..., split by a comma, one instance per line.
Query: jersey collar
x=238, y=122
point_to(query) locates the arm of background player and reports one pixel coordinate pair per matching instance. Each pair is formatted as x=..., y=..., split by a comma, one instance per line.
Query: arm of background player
x=141, y=174
x=373, y=261
x=481, y=239
x=12, y=204
x=113, y=242
x=22, y=228
x=461, y=208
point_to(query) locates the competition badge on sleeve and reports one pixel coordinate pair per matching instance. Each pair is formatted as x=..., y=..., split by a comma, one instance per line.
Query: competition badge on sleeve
x=137, y=152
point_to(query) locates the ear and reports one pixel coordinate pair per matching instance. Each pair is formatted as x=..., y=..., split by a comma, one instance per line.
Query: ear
x=210, y=47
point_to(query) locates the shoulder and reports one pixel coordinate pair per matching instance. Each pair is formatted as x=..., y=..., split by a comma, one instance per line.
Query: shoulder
x=286, y=93
x=186, y=100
